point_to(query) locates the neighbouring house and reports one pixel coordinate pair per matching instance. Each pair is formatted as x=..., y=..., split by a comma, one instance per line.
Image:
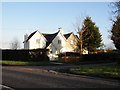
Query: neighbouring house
x=56, y=43
x=73, y=40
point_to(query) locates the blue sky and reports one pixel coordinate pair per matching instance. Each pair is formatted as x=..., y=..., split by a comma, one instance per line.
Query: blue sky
x=25, y=17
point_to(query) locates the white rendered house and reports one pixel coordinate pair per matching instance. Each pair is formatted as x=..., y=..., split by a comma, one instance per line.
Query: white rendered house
x=56, y=42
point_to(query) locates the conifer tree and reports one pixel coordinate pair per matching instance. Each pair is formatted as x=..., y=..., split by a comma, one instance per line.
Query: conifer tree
x=91, y=37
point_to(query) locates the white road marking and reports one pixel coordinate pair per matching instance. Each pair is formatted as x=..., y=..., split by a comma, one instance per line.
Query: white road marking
x=3, y=86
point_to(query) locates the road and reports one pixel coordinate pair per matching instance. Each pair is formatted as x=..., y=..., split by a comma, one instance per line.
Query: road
x=19, y=77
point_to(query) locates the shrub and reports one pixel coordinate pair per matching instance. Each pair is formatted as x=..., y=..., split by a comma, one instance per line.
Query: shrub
x=102, y=57
x=25, y=55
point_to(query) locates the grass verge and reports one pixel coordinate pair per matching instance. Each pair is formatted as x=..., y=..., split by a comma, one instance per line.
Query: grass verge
x=107, y=71
x=83, y=62
x=8, y=62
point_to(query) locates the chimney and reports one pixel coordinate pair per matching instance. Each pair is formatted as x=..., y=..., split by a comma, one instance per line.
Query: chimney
x=61, y=30
x=25, y=37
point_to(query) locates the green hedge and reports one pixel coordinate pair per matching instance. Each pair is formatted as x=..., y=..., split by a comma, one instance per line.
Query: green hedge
x=112, y=57
x=102, y=56
x=25, y=55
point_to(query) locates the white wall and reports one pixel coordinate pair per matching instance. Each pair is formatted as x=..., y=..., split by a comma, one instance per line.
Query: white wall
x=37, y=41
x=58, y=47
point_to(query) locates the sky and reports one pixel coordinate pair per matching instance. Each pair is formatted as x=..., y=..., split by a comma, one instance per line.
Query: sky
x=19, y=18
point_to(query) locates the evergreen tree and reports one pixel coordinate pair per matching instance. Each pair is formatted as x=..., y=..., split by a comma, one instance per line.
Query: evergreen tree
x=91, y=37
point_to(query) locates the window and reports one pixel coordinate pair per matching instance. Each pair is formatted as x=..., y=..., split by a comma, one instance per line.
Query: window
x=59, y=41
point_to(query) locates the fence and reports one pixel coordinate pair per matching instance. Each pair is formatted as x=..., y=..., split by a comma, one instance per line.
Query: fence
x=70, y=57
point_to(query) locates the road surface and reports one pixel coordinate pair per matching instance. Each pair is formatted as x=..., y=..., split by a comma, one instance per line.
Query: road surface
x=19, y=77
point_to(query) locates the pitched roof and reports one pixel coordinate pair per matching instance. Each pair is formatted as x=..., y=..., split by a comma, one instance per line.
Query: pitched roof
x=77, y=36
x=30, y=36
x=49, y=37
x=45, y=33
x=67, y=35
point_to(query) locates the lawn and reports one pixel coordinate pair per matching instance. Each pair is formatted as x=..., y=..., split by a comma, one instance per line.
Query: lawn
x=108, y=71
x=8, y=62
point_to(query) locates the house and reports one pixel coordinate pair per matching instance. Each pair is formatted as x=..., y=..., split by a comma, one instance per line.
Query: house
x=34, y=40
x=73, y=40
x=56, y=43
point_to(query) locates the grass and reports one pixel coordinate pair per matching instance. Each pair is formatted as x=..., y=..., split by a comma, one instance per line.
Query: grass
x=107, y=71
x=84, y=62
x=8, y=62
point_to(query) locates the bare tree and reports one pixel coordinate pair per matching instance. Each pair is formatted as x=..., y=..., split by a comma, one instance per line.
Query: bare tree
x=78, y=29
x=115, y=6
x=15, y=44
x=116, y=25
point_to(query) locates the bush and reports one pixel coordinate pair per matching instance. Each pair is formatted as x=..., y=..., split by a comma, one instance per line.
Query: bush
x=25, y=55
x=102, y=57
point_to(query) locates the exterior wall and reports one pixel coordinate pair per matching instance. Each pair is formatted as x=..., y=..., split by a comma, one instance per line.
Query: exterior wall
x=59, y=43
x=64, y=46
x=69, y=48
x=73, y=41
x=57, y=46
x=37, y=41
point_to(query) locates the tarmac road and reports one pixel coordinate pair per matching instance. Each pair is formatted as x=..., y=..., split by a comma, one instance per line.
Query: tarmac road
x=18, y=77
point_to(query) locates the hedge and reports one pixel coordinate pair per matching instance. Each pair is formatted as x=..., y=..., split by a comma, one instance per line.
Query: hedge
x=114, y=57
x=25, y=55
